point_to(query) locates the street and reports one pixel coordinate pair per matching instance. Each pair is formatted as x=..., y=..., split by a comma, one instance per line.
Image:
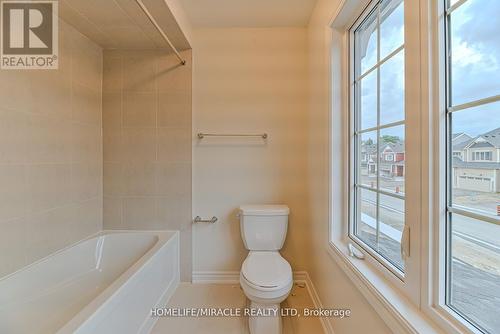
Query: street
x=475, y=271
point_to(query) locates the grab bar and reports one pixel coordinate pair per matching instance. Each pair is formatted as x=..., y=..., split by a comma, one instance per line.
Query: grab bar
x=202, y=135
x=198, y=219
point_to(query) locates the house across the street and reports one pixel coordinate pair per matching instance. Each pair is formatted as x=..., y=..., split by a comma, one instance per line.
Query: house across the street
x=476, y=161
x=391, y=158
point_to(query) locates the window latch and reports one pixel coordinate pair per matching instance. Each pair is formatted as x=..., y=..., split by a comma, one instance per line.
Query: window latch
x=405, y=243
x=355, y=252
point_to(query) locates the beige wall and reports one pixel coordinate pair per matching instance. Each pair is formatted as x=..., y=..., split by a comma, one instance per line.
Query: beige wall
x=257, y=80
x=147, y=144
x=334, y=287
x=50, y=153
x=248, y=81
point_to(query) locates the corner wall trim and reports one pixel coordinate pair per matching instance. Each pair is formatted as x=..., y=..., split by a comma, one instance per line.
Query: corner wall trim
x=303, y=277
x=233, y=277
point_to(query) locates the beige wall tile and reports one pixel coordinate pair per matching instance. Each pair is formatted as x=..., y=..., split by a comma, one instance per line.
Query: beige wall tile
x=174, y=179
x=113, y=147
x=48, y=120
x=174, y=144
x=139, y=213
x=49, y=140
x=86, y=180
x=113, y=176
x=112, y=74
x=139, y=178
x=139, y=73
x=111, y=111
x=48, y=231
x=13, y=192
x=12, y=245
x=146, y=122
x=87, y=62
x=87, y=219
x=16, y=91
x=139, y=109
x=86, y=104
x=13, y=136
x=173, y=77
x=49, y=186
x=174, y=212
x=86, y=143
x=174, y=109
x=112, y=213
x=52, y=93
x=139, y=144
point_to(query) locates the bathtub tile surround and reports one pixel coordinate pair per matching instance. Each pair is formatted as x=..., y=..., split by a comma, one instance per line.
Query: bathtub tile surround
x=50, y=153
x=147, y=144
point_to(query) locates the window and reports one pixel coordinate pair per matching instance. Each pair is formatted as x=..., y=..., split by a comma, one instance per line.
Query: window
x=472, y=258
x=484, y=156
x=377, y=54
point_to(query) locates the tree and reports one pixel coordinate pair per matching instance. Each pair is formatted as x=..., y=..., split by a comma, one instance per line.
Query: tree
x=389, y=139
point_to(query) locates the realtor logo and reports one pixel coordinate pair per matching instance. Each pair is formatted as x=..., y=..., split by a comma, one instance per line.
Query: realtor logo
x=29, y=35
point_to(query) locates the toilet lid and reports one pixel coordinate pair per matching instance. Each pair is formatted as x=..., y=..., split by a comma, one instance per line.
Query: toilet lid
x=266, y=269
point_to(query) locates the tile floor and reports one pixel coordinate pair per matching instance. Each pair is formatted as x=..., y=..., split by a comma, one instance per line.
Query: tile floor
x=229, y=296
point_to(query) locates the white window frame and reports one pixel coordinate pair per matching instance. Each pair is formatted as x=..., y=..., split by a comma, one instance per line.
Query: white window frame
x=443, y=313
x=407, y=284
x=406, y=307
x=353, y=214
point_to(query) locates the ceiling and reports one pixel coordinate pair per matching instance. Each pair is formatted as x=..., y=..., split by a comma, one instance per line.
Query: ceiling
x=121, y=24
x=248, y=13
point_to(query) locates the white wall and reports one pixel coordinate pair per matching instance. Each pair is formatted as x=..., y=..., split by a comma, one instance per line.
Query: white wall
x=255, y=80
x=334, y=287
x=246, y=81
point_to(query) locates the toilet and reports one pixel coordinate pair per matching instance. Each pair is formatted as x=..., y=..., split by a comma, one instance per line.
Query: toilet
x=265, y=276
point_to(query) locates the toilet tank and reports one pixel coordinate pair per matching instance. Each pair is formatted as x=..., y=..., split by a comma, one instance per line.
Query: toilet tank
x=263, y=227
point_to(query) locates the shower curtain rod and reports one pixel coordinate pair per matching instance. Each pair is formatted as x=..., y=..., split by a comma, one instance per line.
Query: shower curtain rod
x=160, y=30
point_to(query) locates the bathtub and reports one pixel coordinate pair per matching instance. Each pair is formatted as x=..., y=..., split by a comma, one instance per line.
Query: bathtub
x=105, y=284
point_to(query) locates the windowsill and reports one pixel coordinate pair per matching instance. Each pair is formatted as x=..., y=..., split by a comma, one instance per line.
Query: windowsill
x=399, y=313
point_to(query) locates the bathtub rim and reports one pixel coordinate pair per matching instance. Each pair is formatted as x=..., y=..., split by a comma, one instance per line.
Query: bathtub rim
x=89, y=310
x=87, y=238
x=164, y=237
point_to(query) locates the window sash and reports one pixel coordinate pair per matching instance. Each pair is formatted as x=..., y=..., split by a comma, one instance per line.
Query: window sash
x=355, y=97
x=450, y=209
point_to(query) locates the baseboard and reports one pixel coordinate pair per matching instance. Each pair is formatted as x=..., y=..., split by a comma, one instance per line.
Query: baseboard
x=216, y=277
x=233, y=277
x=303, y=276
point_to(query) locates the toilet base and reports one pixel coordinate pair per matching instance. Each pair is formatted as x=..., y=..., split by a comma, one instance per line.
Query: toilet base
x=269, y=322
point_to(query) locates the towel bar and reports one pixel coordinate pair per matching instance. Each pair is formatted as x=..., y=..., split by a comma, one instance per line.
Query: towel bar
x=198, y=219
x=202, y=135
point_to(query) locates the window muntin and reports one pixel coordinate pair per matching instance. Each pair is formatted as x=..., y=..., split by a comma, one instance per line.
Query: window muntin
x=473, y=192
x=378, y=216
x=482, y=156
x=473, y=37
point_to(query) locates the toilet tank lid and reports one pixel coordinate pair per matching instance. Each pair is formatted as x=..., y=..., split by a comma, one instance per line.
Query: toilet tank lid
x=264, y=210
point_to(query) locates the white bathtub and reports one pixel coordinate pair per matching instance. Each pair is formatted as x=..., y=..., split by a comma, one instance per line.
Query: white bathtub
x=105, y=284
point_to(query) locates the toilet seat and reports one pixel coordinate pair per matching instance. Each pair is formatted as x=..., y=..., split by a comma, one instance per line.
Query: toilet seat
x=266, y=277
x=266, y=270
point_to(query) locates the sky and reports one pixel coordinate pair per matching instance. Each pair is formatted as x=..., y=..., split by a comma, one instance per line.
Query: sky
x=475, y=50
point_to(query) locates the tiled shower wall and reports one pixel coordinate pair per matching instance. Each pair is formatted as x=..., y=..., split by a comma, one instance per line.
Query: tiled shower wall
x=147, y=144
x=50, y=153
